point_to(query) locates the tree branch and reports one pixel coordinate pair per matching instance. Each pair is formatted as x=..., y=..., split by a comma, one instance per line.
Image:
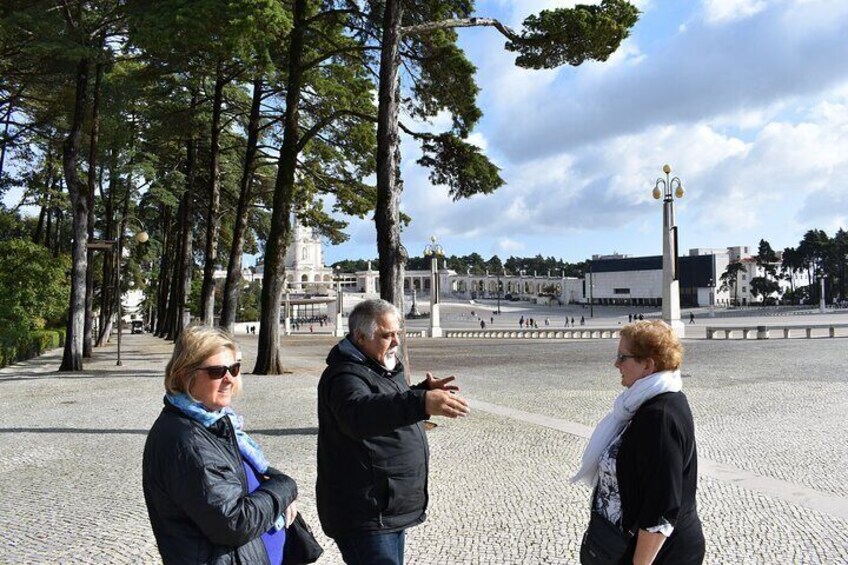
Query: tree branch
x=313, y=131
x=508, y=32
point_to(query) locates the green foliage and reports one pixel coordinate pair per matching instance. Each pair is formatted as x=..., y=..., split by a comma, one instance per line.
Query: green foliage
x=459, y=165
x=35, y=292
x=354, y=265
x=730, y=277
x=541, y=265
x=765, y=287
x=35, y=285
x=250, y=299
x=767, y=259
x=573, y=35
x=30, y=345
x=446, y=82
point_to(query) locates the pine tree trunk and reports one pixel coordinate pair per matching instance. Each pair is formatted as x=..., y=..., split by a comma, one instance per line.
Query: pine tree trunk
x=268, y=358
x=213, y=223
x=108, y=284
x=72, y=355
x=163, y=282
x=92, y=173
x=389, y=186
x=233, y=283
x=181, y=286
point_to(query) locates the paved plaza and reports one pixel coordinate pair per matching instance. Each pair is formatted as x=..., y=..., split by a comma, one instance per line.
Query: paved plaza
x=770, y=421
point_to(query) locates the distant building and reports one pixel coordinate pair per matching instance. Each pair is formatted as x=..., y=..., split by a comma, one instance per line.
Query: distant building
x=614, y=279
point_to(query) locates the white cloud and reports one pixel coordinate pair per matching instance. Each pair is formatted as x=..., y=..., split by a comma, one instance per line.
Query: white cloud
x=706, y=73
x=508, y=246
x=723, y=11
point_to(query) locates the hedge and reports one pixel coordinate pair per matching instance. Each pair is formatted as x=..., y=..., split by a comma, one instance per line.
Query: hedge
x=33, y=345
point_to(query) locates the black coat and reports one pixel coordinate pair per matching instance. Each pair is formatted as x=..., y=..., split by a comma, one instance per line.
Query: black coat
x=657, y=472
x=196, y=493
x=372, y=452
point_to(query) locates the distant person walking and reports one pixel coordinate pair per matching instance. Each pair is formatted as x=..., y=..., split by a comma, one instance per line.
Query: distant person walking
x=691, y=317
x=582, y=321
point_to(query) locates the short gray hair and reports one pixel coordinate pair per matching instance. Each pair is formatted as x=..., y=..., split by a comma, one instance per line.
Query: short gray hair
x=363, y=318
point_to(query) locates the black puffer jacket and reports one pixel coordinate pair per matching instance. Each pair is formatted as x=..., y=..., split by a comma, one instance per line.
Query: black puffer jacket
x=372, y=452
x=196, y=493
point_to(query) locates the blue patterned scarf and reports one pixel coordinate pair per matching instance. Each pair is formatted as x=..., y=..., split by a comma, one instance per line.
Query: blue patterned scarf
x=248, y=448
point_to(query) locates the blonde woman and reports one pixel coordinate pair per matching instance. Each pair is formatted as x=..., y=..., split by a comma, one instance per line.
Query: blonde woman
x=210, y=493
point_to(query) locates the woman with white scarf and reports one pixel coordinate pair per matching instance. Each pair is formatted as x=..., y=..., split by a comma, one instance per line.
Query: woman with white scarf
x=641, y=459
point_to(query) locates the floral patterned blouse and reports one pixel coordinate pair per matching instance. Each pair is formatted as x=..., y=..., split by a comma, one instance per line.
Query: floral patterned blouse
x=607, y=500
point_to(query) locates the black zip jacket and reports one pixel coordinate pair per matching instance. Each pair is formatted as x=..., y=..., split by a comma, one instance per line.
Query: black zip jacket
x=196, y=493
x=372, y=452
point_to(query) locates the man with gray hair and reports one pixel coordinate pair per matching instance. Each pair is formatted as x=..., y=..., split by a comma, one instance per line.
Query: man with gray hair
x=373, y=455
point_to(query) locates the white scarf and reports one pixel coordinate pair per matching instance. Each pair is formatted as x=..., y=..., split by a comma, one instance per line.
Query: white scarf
x=625, y=406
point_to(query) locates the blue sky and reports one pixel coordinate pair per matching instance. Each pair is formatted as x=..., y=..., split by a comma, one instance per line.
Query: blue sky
x=747, y=100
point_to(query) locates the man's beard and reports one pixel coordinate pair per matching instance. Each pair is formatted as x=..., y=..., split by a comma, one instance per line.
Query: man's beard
x=390, y=360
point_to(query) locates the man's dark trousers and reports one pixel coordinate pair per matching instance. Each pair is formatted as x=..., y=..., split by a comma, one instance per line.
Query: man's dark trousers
x=372, y=548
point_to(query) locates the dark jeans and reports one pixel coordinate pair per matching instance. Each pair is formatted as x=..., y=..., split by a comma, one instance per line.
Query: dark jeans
x=372, y=548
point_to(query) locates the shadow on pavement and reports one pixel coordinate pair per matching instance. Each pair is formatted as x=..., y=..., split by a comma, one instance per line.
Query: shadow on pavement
x=100, y=374
x=286, y=432
x=94, y=431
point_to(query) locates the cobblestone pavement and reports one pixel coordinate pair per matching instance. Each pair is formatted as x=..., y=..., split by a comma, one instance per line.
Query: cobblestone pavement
x=769, y=415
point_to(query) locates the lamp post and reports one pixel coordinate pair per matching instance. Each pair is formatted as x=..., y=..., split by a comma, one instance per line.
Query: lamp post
x=711, y=286
x=140, y=237
x=339, y=331
x=591, y=292
x=521, y=283
x=433, y=250
x=287, y=327
x=822, y=305
x=116, y=247
x=500, y=288
x=664, y=188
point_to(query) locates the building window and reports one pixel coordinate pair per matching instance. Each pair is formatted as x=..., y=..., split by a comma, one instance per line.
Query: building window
x=621, y=291
x=304, y=254
x=744, y=289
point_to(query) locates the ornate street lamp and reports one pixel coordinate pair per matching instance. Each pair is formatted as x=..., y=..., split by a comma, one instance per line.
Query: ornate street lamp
x=116, y=247
x=434, y=251
x=664, y=188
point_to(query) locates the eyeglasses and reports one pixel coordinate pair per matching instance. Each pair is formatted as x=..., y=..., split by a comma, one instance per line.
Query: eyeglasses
x=217, y=372
x=621, y=358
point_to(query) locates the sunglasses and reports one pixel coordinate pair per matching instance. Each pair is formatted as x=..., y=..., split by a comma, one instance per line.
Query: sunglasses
x=217, y=372
x=621, y=358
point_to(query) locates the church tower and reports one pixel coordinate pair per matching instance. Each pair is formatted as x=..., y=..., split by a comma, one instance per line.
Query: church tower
x=305, y=270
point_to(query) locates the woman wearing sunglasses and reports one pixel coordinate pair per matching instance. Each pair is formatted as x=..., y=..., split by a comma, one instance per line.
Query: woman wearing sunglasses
x=641, y=458
x=210, y=493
